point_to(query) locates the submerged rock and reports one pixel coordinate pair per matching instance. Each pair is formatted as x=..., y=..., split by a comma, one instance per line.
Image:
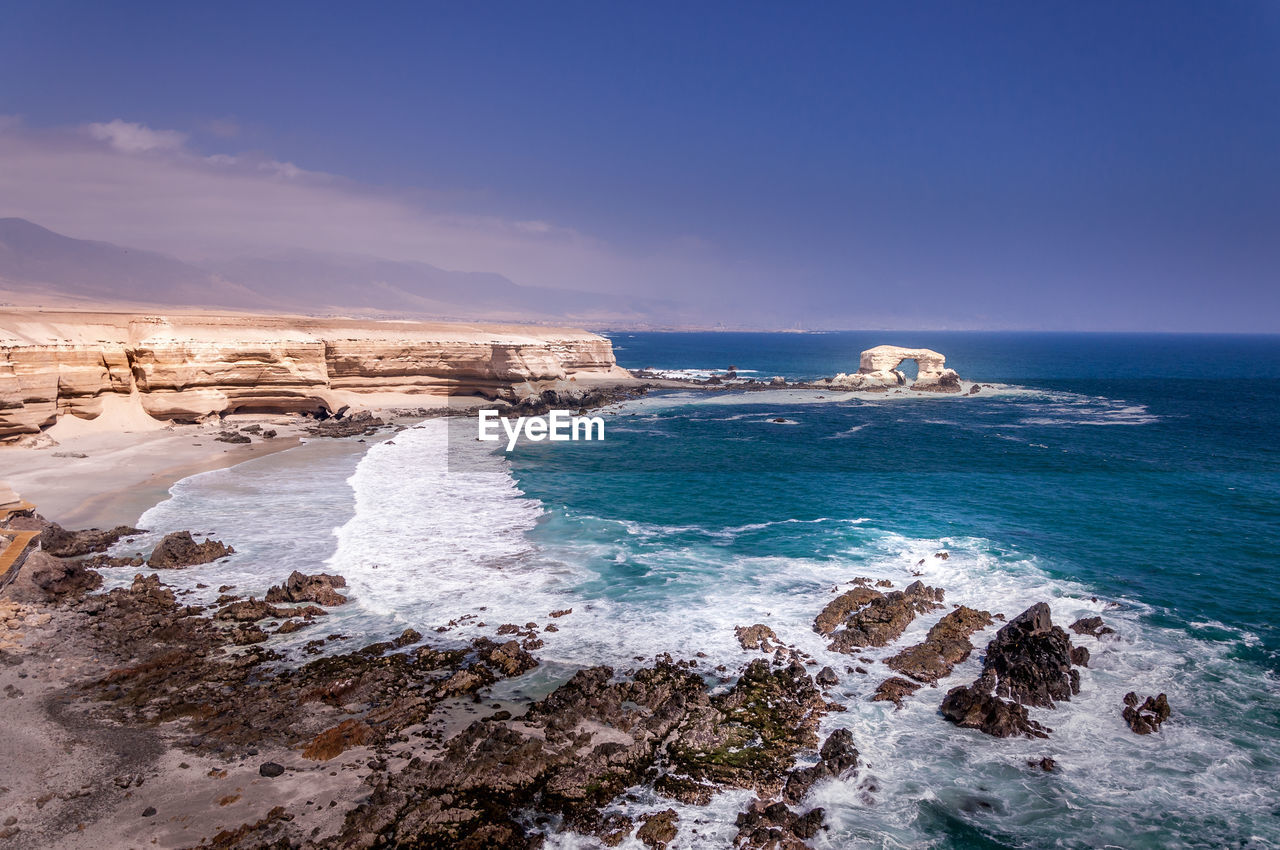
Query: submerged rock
x=179, y=549
x=895, y=689
x=1146, y=718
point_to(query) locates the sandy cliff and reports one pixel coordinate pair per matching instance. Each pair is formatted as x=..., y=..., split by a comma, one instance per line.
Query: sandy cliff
x=185, y=367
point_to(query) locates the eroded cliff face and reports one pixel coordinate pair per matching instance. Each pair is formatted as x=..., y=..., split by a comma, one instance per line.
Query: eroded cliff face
x=187, y=367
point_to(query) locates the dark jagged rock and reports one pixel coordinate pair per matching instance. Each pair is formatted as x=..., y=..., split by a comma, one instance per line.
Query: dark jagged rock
x=179, y=549
x=61, y=543
x=946, y=645
x=1146, y=718
x=773, y=826
x=1092, y=626
x=1080, y=656
x=1029, y=662
x=658, y=829
x=895, y=689
x=270, y=769
x=233, y=437
x=838, y=754
x=885, y=617
x=974, y=707
x=1030, y=658
x=757, y=637
x=318, y=588
x=827, y=677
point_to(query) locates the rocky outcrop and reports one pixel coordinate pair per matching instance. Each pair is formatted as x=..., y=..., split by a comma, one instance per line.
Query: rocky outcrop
x=187, y=367
x=179, y=549
x=1028, y=663
x=318, y=588
x=946, y=645
x=884, y=618
x=878, y=371
x=58, y=541
x=974, y=707
x=1031, y=660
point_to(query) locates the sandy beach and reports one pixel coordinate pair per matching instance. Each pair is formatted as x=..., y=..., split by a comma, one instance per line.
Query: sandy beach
x=100, y=478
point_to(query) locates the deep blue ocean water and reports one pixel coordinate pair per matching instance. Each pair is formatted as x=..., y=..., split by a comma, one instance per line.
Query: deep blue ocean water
x=1132, y=477
x=1149, y=467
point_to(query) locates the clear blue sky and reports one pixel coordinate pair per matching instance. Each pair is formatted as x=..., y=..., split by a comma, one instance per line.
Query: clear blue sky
x=1089, y=165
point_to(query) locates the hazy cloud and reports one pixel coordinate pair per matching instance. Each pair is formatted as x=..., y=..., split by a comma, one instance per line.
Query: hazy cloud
x=199, y=205
x=128, y=137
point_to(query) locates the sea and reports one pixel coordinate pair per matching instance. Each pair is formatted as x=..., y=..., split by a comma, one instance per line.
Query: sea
x=1132, y=477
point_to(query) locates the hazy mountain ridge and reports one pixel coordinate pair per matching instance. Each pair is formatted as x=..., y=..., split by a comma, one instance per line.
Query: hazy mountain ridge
x=36, y=261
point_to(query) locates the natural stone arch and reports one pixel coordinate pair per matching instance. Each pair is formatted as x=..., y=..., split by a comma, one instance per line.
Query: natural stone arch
x=878, y=371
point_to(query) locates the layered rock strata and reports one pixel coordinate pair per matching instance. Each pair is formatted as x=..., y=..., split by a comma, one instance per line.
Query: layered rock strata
x=186, y=367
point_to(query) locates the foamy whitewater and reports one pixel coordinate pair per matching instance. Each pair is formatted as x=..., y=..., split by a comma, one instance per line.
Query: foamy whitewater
x=698, y=514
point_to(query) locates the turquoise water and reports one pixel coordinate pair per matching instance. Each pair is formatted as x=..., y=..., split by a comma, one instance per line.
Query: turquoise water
x=1127, y=476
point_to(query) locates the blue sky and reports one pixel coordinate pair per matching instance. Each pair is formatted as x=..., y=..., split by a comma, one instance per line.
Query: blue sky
x=1032, y=165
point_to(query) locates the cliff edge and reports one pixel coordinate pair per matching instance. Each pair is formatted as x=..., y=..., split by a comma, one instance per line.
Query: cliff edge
x=184, y=367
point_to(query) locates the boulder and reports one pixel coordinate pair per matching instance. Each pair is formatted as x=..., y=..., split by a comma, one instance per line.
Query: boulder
x=838, y=755
x=946, y=645
x=44, y=577
x=658, y=829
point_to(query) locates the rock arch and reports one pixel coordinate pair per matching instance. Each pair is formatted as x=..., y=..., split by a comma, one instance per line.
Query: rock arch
x=878, y=371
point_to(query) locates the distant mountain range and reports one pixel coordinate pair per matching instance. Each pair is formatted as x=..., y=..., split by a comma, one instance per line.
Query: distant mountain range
x=38, y=266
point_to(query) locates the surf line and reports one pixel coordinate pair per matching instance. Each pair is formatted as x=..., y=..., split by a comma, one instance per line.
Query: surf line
x=556, y=426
